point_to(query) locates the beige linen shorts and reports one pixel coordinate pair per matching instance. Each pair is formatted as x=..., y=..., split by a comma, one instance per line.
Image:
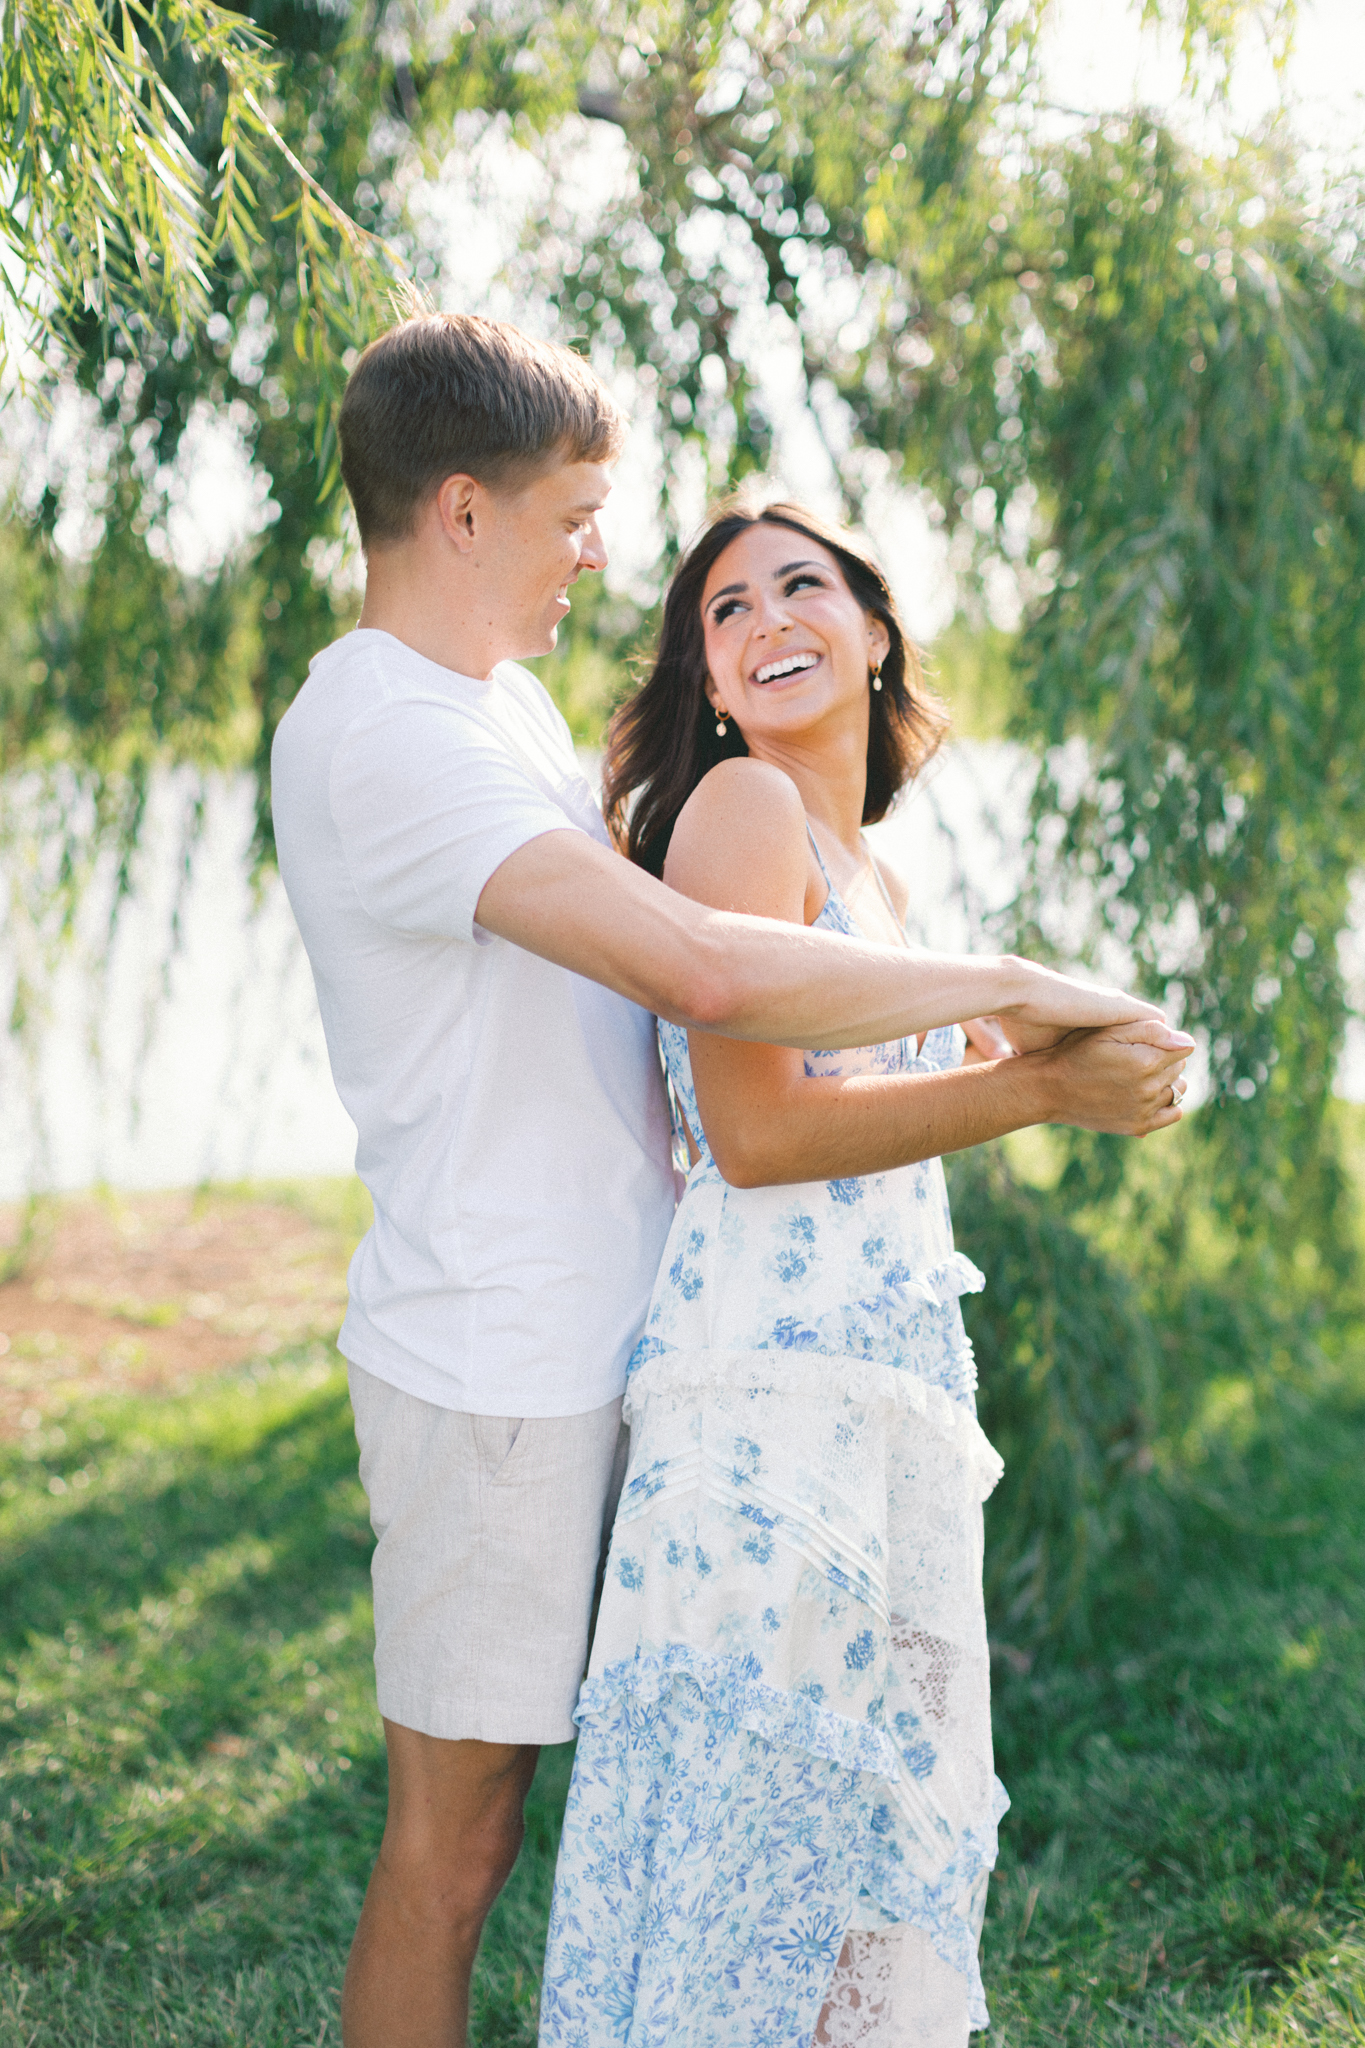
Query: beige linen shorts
x=491, y=1531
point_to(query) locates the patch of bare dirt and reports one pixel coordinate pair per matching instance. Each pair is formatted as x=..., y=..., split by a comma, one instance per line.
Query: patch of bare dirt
x=141, y=1292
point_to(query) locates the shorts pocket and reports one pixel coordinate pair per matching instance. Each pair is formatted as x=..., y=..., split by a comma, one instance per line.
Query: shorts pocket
x=503, y=1442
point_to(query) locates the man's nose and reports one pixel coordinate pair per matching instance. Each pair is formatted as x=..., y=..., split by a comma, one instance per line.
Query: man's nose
x=594, y=555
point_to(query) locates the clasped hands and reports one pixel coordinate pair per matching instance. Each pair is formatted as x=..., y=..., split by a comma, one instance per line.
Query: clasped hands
x=1127, y=1079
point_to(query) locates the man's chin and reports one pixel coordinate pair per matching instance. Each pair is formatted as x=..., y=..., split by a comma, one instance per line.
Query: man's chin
x=548, y=642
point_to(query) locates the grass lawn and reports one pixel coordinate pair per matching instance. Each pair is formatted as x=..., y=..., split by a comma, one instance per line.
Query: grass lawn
x=193, y=1777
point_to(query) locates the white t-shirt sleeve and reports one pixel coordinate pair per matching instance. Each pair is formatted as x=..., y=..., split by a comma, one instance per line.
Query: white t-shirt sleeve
x=427, y=805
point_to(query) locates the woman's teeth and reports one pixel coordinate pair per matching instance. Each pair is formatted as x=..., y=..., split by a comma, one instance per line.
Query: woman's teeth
x=789, y=665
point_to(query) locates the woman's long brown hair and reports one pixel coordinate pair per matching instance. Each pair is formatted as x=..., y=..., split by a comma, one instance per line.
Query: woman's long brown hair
x=663, y=740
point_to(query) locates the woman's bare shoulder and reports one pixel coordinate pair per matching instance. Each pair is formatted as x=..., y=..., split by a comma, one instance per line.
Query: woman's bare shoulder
x=740, y=841
x=738, y=788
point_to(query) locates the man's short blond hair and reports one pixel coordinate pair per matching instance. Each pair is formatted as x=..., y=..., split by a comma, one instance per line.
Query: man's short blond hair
x=447, y=394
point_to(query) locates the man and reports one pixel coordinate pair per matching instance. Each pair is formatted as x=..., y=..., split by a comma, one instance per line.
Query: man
x=486, y=964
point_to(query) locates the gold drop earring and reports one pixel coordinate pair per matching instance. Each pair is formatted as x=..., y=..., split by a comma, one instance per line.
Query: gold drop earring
x=876, y=675
x=721, y=715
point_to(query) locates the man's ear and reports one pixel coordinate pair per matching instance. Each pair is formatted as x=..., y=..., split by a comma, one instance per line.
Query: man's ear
x=459, y=503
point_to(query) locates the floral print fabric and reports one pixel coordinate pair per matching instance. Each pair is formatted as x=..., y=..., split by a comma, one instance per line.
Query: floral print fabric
x=784, y=1736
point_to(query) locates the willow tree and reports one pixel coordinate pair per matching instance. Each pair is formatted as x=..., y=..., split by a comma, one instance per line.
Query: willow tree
x=1147, y=369
x=1162, y=359
x=1155, y=367
x=197, y=213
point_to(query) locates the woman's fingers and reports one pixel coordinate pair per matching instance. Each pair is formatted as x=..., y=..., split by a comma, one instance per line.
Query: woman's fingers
x=989, y=1039
x=1152, y=1031
x=1164, y=1092
x=1026, y=1036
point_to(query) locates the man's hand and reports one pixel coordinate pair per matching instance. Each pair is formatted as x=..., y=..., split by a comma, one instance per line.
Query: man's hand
x=1126, y=1079
x=1050, y=1005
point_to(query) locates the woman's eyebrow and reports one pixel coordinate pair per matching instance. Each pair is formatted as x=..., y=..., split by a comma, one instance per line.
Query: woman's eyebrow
x=732, y=589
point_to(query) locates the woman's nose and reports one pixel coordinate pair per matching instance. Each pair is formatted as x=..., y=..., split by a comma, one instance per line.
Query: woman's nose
x=772, y=615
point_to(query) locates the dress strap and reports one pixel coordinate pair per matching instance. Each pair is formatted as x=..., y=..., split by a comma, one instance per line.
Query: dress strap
x=872, y=858
x=815, y=845
x=896, y=918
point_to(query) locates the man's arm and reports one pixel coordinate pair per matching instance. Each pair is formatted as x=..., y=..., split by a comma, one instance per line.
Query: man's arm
x=586, y=908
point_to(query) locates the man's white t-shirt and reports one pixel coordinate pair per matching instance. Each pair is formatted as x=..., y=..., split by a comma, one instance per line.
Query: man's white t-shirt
x=513, y=1126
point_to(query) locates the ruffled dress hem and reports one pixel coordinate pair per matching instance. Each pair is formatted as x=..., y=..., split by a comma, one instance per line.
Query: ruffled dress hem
x=890, y=1894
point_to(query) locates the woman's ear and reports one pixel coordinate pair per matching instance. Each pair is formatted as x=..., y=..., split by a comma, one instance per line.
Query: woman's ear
x=878, y=640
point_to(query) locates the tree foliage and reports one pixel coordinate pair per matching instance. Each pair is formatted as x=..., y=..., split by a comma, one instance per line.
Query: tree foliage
x=141, y=142
x=1155, y=363
x=1140, y=375
x=1205, y=633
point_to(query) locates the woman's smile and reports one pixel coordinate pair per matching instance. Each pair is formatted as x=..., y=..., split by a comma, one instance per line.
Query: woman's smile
x=797, y=661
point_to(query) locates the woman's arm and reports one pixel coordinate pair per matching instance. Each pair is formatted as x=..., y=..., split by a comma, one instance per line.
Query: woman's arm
x=768, y=1122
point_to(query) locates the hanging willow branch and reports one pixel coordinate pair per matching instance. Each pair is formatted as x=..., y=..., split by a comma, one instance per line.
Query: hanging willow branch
x=112, y=208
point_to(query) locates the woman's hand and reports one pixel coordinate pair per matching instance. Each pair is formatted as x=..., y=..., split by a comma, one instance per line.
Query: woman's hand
x=1128, y=1080
x=986, y=1040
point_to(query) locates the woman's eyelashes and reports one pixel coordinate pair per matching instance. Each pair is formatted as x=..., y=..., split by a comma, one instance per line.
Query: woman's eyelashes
x=730, y=605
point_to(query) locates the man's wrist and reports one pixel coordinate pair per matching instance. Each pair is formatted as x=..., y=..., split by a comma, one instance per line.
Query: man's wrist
x=1022, y=983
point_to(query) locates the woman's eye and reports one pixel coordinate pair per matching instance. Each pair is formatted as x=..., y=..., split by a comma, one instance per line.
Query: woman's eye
x=723, y=611
x=805, y=581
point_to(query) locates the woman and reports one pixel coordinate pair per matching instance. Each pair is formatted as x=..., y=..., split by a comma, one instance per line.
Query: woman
x=783, y=1812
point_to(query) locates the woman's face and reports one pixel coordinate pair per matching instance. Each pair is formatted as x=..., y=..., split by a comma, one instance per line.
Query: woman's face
x=788, y=646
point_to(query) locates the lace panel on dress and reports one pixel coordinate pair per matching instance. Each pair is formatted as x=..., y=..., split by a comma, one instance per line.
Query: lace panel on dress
x=928, y=1664
x=890, y=1988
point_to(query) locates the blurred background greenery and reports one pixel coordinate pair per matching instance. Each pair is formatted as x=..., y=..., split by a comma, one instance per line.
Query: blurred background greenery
x=1118, y=371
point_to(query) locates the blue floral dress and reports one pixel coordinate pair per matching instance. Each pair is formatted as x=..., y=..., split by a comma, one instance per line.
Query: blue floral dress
x=784, y=1752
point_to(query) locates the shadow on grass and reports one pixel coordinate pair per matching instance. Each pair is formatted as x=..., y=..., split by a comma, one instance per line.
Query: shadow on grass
x=192, y=1787
x=290, y=1484
x=1188, y=1825
x=193, y=1783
